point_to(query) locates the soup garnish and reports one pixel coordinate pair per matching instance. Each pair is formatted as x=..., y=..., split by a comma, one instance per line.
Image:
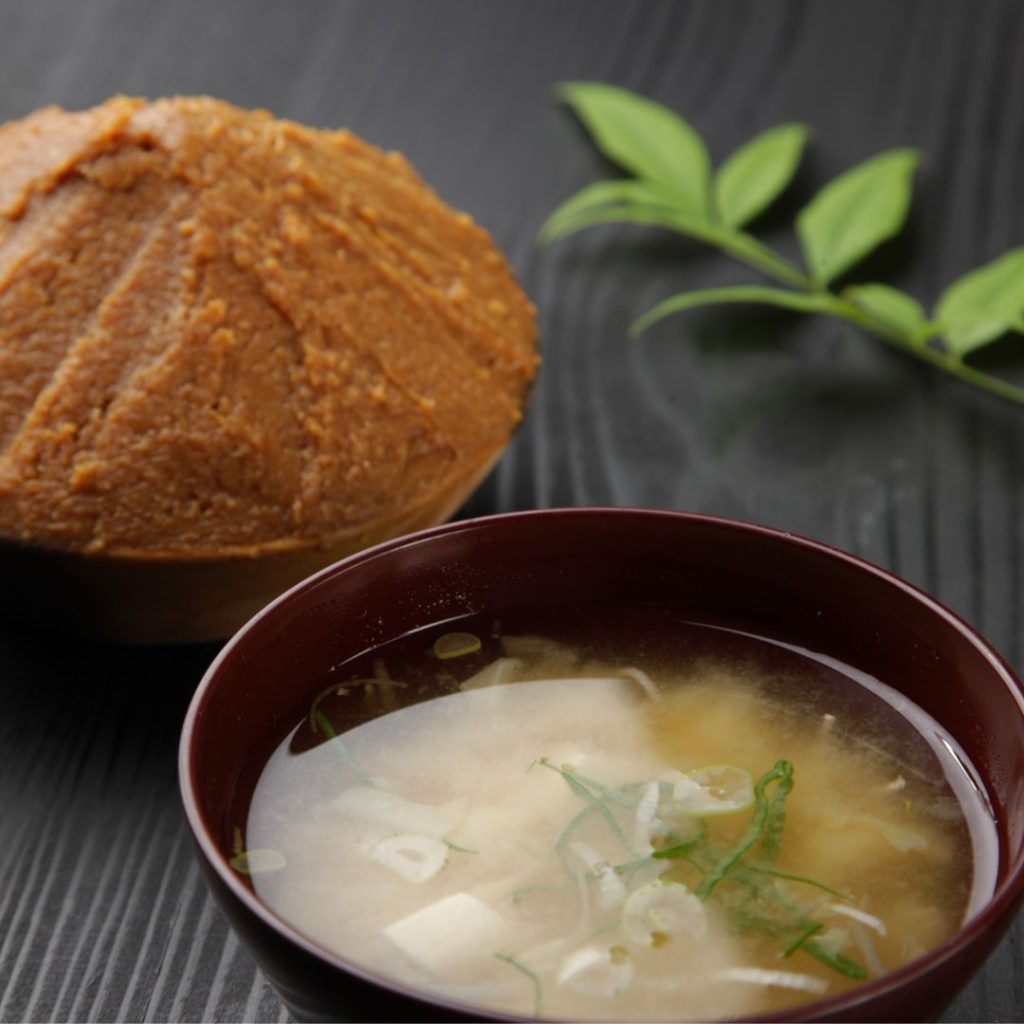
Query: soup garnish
x=711, y=826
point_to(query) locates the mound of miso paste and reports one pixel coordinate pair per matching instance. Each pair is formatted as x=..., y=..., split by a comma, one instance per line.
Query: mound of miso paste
x=577, y=823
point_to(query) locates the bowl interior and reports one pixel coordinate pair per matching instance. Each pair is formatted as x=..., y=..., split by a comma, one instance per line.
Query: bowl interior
x=711, y=571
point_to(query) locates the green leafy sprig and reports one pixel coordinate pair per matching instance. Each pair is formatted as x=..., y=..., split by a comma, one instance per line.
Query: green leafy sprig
x=674, y=186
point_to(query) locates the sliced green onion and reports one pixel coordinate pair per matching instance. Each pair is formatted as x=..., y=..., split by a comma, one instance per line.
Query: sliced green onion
x=456, y=645
x=323, y=724
x=610, y=890
x=678, y=850
x=812, y=929
x=457, y=848
x=781, y=773
x=412, y=857
x=714, y=789
x=646, y=812
x=838, y=962
x=761, y=870
x=581, y=790
x=523, y=969
x=597, y=971
x=659, y=911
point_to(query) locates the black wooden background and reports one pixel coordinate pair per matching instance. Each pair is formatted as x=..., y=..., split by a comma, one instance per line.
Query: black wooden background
x=796, y=423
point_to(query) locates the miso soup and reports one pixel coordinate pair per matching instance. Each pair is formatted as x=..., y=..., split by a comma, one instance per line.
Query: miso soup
x=622, y=817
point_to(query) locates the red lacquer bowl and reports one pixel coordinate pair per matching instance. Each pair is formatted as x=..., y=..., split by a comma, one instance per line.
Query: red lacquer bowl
x=711, y=570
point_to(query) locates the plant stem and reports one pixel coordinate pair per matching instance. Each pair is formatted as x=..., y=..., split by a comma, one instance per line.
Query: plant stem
x=950, y=364
x=750, y=251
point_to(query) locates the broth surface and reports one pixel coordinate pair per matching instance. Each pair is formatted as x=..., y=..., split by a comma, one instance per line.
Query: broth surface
x=558, y=833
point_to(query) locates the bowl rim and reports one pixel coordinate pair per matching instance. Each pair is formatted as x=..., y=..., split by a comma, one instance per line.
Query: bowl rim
x=1005, y=894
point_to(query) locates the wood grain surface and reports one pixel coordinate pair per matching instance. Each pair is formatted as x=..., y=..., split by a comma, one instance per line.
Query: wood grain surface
x=793, y=422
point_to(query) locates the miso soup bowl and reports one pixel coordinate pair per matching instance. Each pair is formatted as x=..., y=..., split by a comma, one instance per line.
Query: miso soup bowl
x=713, y=571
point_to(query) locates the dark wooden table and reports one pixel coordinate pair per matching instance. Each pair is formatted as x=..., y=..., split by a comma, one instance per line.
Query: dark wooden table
x=803, y=424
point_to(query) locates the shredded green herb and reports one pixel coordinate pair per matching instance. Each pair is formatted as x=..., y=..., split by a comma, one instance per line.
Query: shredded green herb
x=526, y=890
x=812, y=929
x=457, y=848
x=837, y=961
x=567, y=834
x=324, y=725
x=766, y=813
x=761, y=870
x=775, y=820
x=748, y=890
x=581, y=790
x=682, y=849
x=523, y=969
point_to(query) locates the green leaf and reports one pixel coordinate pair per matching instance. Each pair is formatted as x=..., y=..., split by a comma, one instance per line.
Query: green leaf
x=609, y=201
x=652, y=216
x=645, y=138
x=896, y=309
x=983, y=304
x=856, y=212
x=754, y=176
x=798, y=301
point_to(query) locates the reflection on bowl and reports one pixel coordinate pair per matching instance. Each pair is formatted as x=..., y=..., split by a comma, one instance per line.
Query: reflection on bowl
x=709, y=571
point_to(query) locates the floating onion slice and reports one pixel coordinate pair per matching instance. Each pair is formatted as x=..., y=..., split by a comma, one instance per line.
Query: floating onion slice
x=646, y=810
x=413, y=857
x=456, y=645
x=868, y=951
x=864, y=918
x=659, y=911
x=497, y=673
x=774, y=979
x=258, y=862
x=397, y=814
x=597, y=971
x=382, y=687
x=833, y=939
x=715, y=789
x=685, y=847
x=610, y=890
x=645, y=682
